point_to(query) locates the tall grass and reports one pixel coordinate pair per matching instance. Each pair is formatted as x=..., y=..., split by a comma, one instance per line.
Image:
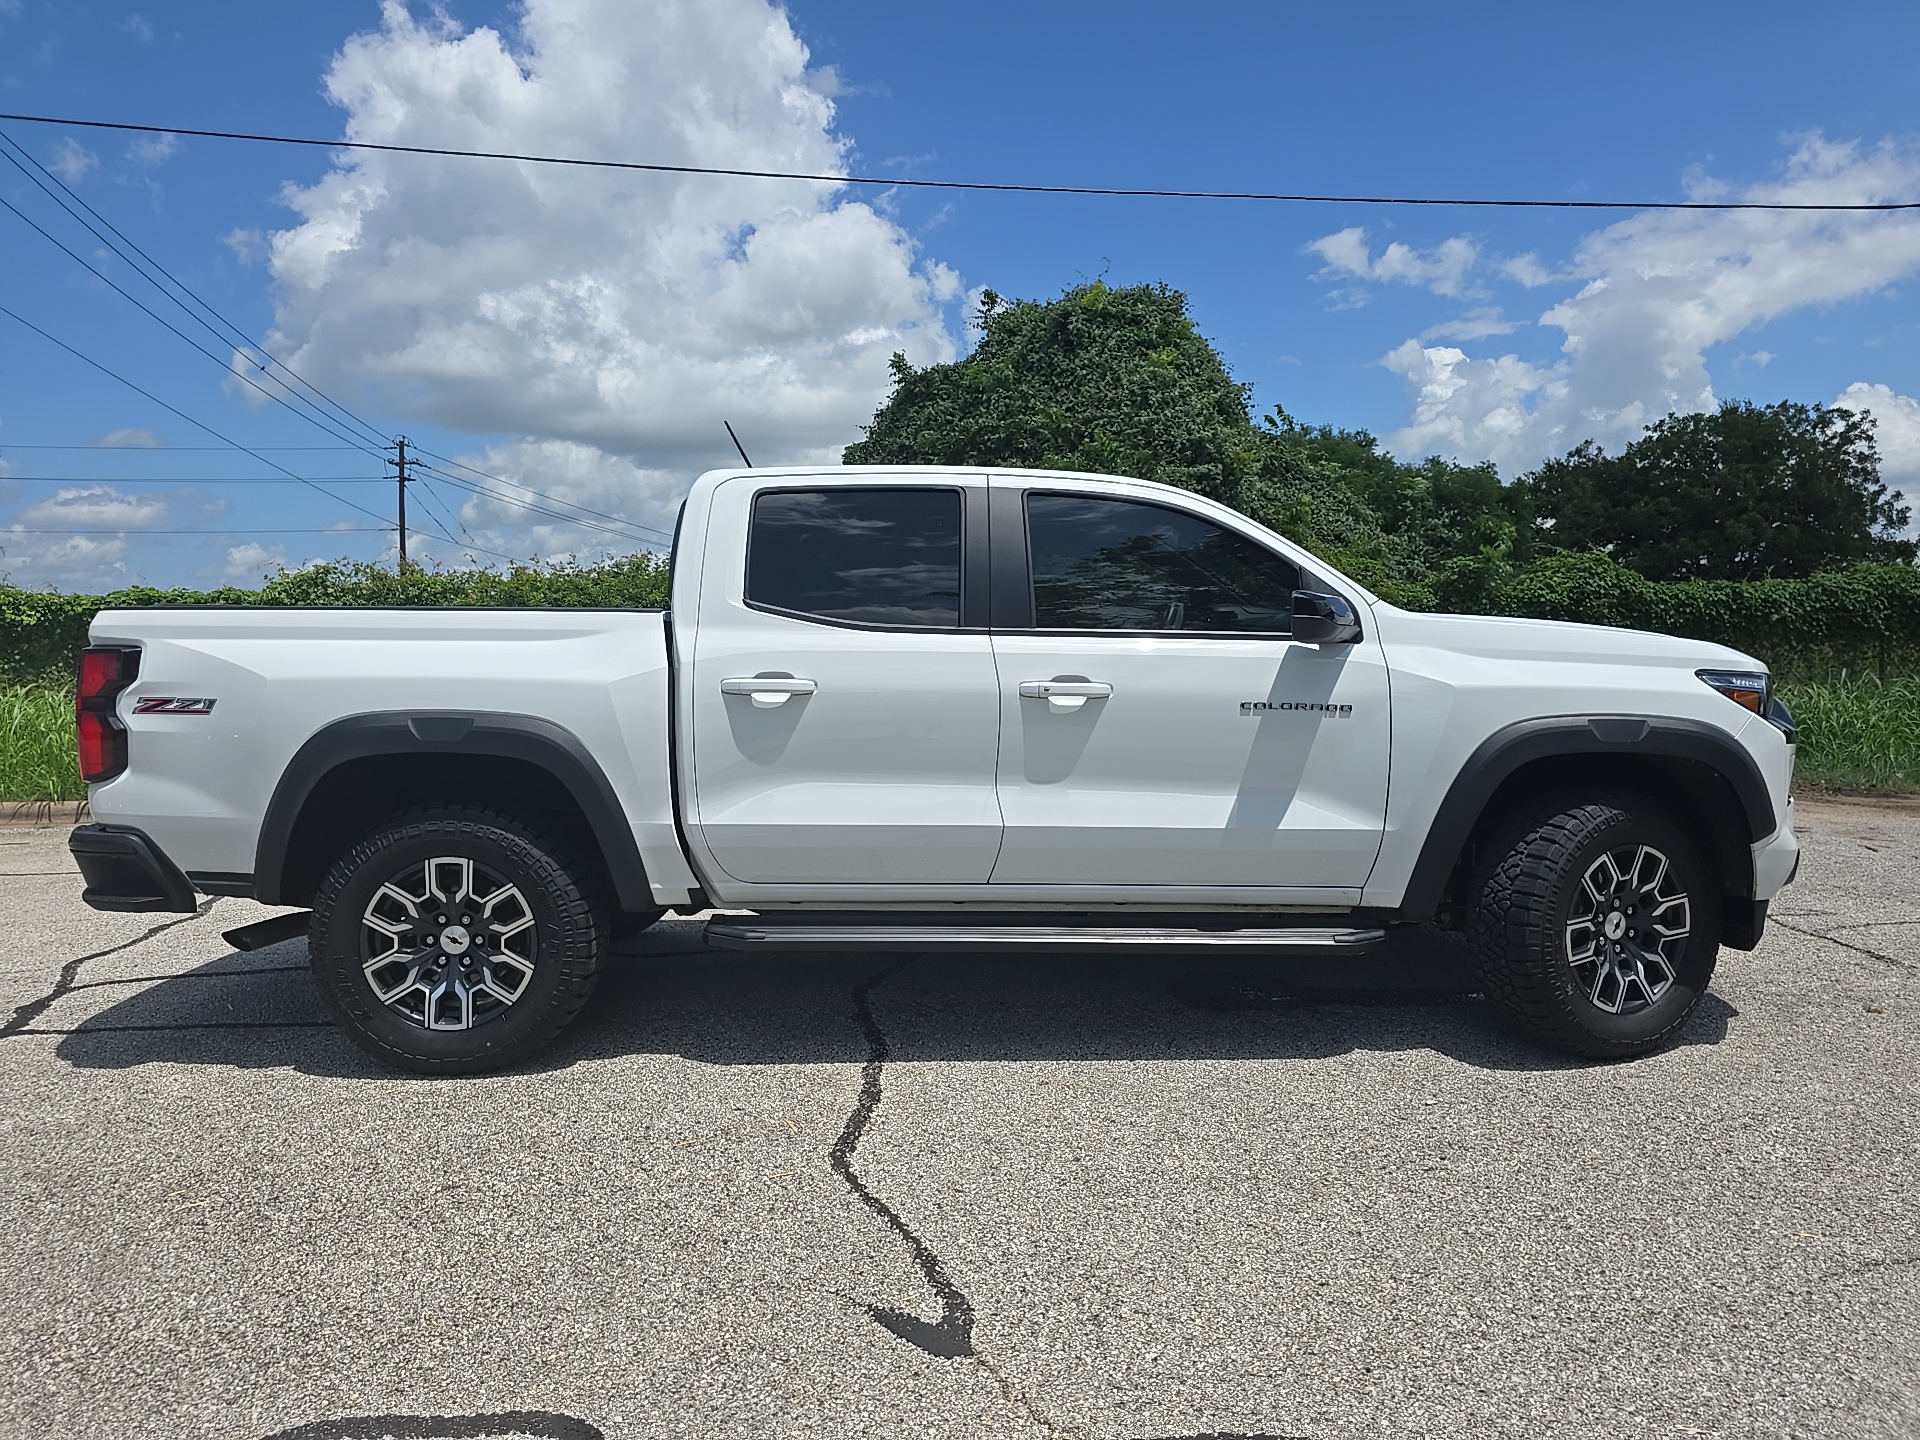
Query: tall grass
x=1858, y=733
x=37, y=760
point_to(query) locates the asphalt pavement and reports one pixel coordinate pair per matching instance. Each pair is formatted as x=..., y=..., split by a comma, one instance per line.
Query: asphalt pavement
x=920, y=1196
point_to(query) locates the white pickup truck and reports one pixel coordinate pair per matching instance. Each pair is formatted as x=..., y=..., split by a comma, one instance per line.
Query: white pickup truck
x=918, y=709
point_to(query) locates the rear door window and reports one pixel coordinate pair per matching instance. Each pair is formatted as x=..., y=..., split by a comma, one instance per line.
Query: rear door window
x=857, y=557
x=1101, y=564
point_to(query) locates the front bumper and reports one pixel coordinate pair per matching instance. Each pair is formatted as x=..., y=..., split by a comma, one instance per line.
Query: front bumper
x=124, y=870
x=1776, y=859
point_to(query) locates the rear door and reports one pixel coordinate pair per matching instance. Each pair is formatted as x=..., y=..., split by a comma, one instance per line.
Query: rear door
x=1159, y=724
x=844, y=704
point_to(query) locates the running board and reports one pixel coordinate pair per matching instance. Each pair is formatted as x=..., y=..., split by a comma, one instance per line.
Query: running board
x=1041, y=935
x=270, y=931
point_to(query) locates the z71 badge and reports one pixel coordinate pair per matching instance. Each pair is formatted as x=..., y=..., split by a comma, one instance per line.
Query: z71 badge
x=169, y=705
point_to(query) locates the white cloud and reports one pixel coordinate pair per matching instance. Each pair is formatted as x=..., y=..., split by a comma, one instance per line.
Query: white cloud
x=1657, y=292
x=152, y=150
x=248, y=246
x=139, y=27
x=624, y=312
x=1896, y=429
x=101, y=505
x=635, y=505
x=1527, y=270
x=72, y=160
x=1443, y=269
x=131, y=437
x=67, y=562
x=252, y=561
x=1476, y=324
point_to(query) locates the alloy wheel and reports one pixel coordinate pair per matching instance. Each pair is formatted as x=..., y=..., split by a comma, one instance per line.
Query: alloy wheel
x=1628, y=929
x=448, y=944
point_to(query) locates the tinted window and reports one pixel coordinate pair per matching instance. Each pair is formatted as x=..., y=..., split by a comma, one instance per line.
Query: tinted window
x=881, y=557
x=1118, y=565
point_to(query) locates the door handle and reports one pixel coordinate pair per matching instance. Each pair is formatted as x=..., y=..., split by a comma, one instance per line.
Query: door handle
x=1065, y=694
x=766, y=691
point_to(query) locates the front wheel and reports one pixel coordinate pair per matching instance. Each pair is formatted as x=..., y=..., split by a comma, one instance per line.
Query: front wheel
x=1596, y=925
x=454, y=940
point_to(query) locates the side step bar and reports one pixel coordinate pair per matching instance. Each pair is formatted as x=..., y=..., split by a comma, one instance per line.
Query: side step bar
x=1041, y=934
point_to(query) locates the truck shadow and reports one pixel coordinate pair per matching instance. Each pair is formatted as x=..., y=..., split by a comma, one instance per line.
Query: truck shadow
x=666, y=993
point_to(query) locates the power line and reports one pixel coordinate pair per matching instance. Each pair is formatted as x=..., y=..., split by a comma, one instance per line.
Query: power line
x=14, y=152
x=627, y=535
x=1003, y=187
x=198, y=480
x=515, y=484
x=449, y=515
x=100, y=275
x=243, y=343
x=272, y=530
x=175, y=410
x=170, y=449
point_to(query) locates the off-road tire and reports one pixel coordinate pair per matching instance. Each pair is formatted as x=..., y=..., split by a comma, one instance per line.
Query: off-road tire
x=1534, y=865
x=572, y=917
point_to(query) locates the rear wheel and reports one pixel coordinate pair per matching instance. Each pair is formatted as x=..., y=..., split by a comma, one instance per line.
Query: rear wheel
x=455, y=940
x=1595, y=925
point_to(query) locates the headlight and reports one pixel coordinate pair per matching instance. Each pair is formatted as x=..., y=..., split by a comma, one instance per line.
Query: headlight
x=1750, y=690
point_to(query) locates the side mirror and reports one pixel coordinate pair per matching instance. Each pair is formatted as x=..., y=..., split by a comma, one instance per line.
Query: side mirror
x=1323, y=619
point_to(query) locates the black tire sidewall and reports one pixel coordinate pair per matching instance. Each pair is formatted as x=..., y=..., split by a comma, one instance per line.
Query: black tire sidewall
x=570, y=937
x=1693, y=972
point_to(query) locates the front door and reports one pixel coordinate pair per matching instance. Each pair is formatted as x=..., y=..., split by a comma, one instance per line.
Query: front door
x=845, y=719
x=1159, y=726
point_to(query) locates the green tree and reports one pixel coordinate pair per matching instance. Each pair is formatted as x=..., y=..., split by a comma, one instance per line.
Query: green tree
x=1437, y=511
x=1111, y=380
x=1744, y=492
x=1118, y=381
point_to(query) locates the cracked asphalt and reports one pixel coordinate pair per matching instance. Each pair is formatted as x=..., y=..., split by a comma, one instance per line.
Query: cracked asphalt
x=960, y=1197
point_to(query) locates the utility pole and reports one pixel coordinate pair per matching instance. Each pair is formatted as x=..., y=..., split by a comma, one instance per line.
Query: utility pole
x=400, y=467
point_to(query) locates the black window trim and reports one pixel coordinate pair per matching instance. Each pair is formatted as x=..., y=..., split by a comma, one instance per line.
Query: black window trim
x=1013, y=569
x=974, y=553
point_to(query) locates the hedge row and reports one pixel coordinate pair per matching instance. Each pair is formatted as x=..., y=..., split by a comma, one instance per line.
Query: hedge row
x=1863, y=619
x=41, y=632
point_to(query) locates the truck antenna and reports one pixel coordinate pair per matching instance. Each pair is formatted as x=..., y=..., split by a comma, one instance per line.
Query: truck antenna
x=736, y=443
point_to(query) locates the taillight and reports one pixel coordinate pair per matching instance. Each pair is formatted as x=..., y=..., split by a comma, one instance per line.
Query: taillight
x=105, y=670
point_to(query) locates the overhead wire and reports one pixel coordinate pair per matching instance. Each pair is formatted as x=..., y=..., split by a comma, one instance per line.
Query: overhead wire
x=201, y=479
x=159, y=319
x=515, y=484
x=320, y=418
x=995, y=186
x=14, y=152
x=438, y=513
x=270, y=530
x=173, y=449
x=628, y=534
x=175, y=410
x=313, y=413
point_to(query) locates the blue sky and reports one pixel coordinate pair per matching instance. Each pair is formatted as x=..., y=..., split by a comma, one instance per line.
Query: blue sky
x=585, y=334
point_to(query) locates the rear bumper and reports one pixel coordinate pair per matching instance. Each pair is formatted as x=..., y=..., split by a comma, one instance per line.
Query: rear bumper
x=124, y=870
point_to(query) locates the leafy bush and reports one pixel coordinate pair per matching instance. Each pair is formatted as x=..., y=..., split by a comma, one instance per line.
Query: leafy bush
x=1866, y=618
x=42, y=633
